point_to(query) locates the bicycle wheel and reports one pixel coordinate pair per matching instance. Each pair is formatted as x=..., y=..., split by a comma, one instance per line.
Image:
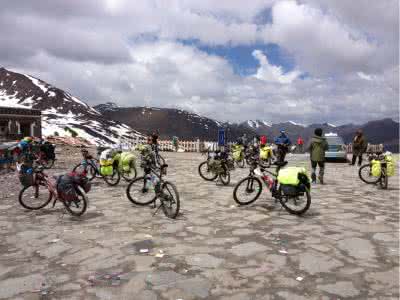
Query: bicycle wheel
x=35, y=197
x=140, y=192
x=169, y=197
x=131, y=174
x=113, y=179
x=384, y=179
x=225, y=177
x=205, y=172
x=88, y=169
x=241, y=163
x=296, y=205
x=247, y=190
x=365, y=174
x=78, y=206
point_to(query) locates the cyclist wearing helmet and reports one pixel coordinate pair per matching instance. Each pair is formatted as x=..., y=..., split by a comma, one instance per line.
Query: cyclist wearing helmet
x=283, y=143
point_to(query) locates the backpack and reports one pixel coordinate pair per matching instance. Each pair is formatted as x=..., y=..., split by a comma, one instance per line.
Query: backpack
x=49, y=150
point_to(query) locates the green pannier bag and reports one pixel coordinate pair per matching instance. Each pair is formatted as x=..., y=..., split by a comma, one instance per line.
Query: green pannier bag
x=106, y=167
x=290, y=175
x=215, y=166
x=389, y=165
x=106, y=170
x=376, y=168
x=127, y=160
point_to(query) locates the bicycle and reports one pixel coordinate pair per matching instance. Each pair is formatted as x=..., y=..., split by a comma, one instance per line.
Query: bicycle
x=296, y=200
x=218, y=165
x=44, y=188
x=90, y=167
x=157, y=157
x=147, y=189
x=365, y=171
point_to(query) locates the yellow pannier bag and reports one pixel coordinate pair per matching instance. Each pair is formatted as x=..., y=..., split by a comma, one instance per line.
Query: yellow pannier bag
x=237, y=152
x=389, y=165
x=106, y=167
x=290, y=176
x=265, y=152
x=376, y=168
x=237, y=155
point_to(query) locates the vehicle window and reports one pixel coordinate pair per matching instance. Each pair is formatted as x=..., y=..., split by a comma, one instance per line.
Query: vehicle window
x=334, y=140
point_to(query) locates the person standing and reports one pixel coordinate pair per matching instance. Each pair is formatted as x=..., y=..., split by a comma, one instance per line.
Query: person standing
x=317, y=148
x=300, y=143
x=175, y=143
x=359, y=147
x=283, y=143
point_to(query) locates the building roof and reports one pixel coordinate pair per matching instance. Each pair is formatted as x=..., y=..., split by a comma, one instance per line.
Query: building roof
x=4, y=110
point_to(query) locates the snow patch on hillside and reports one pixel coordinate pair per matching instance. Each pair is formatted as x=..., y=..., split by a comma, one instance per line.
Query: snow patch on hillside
x=297, y=124
x=10, y=100
x=37, y=83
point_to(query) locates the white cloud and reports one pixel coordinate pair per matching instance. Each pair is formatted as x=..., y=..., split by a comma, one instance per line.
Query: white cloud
x=268, y=72
x=129, y=51
x=319, y=42
x=362, y=75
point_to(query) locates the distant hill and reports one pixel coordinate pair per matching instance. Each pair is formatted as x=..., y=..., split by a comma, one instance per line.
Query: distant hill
x=171, y=122
x=190, y=126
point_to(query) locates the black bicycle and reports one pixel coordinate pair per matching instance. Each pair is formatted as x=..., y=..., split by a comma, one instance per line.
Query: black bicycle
x=295, y=199
x=217, y=165
x=150, y=187
x=159, y=160
x=90, y=167
x=365, y=172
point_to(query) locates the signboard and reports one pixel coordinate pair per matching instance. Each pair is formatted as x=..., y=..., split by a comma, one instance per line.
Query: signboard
x=221, y=137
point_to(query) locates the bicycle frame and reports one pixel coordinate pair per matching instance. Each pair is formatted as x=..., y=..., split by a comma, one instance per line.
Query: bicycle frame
x=43, y=179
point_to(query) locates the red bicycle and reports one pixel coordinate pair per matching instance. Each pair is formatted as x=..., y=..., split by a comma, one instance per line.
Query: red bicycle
x=41, y=189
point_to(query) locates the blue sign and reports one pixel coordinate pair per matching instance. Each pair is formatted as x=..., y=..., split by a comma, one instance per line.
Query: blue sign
x=221, y=137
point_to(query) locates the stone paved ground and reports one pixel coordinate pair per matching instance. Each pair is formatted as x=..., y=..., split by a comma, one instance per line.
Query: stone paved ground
x=345, y=247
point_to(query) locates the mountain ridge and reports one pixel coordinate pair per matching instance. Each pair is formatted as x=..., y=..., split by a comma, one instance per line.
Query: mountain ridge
x=60, y=109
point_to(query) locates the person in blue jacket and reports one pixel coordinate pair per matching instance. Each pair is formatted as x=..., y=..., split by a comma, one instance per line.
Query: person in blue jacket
x=283, y=143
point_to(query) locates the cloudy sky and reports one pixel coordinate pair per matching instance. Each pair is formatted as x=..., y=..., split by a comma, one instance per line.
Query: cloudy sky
x=305, y=60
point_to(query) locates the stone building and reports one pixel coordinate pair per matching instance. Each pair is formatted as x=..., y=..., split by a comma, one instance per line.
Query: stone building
x=16, y=123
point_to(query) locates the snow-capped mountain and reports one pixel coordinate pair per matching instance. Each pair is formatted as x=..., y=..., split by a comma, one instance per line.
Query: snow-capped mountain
x=60, y=110
x=171, y=122
x=255, y=124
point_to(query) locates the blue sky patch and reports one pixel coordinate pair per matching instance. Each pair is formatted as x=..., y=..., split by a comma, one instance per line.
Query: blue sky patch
x=241, y=58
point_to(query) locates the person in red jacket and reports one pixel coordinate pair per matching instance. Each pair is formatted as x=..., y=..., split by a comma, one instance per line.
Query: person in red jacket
x=300, y=144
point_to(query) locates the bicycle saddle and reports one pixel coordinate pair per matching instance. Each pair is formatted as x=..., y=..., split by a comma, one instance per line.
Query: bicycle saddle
x=280, y=163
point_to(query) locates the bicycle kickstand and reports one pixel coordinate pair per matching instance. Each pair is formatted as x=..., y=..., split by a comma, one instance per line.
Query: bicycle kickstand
x=158, y=208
